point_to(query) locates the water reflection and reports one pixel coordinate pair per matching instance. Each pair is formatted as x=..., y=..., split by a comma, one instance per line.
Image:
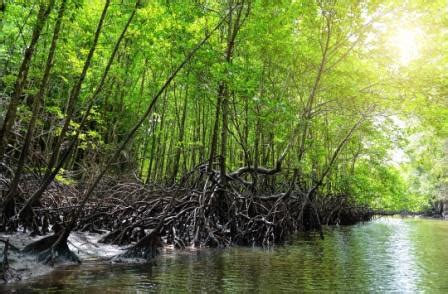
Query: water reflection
x=387, y=255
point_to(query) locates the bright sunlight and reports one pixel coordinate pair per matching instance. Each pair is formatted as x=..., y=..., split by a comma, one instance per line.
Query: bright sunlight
x=406, y=42
x=136, y=134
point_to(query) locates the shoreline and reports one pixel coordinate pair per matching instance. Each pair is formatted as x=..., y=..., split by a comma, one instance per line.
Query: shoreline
x=26, y=266
x=89, y=250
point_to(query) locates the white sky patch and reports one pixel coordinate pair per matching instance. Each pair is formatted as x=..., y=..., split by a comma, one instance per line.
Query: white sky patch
x=397, y=154
x=407, y=45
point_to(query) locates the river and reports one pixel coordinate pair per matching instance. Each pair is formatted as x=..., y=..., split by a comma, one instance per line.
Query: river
x=385, y=255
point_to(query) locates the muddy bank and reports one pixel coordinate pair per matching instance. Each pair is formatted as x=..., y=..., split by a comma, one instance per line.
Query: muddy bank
x=439, y=209
x=385, y=255
x=25, y=266
x=131, y=220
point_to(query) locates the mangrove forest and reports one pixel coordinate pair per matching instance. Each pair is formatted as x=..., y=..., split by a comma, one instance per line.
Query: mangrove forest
x=217, y=124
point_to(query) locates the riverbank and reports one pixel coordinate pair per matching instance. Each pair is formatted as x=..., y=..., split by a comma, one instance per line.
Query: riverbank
x=384, y=255
x=430, y=214
x=26, y=266
x=89, y=249
x=136, y=219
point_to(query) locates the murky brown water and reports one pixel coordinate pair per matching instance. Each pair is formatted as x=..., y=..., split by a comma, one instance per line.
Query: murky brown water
x=386, y=255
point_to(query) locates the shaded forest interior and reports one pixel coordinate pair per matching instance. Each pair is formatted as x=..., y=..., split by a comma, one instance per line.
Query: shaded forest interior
x=206, y=123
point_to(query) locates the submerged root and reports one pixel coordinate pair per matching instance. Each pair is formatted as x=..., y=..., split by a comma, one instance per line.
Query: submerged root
x=8, y=211
x=146, y=248
x=214, y=216
x=58, y=253
x=199, y=213
x=7, y=273
x=41, y=245
x=52, y=249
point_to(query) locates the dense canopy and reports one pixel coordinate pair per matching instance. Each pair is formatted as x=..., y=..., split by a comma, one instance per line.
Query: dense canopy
x=337, y=98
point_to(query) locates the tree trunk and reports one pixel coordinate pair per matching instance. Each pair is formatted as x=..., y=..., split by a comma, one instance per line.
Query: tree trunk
x=74, y=93
x=180, y=139
x=312, y=96
x=52, y=171
x=223, y=93
x=36, y=106
x=11, y=113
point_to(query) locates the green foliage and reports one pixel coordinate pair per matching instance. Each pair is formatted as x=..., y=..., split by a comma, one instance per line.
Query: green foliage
x=300, y=72
x=383, y=187
x=61, y=178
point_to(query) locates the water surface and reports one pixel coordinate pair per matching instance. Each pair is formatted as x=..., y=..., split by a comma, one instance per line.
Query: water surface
x=385, y=255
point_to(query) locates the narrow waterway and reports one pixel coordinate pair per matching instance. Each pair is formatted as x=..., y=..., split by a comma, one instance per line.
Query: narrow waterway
x=385, y=255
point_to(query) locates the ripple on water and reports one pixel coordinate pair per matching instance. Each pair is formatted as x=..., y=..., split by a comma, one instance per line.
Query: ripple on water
x=386, y=255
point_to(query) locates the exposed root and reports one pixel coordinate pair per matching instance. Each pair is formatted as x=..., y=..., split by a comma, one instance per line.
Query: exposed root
x=9, y=210
x=7, y=273
x=52, y=249
x=201, y=212
x=58, y=253
x=146, y=248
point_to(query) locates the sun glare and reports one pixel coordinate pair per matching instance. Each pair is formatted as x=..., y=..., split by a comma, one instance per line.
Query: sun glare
x=406, y=44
